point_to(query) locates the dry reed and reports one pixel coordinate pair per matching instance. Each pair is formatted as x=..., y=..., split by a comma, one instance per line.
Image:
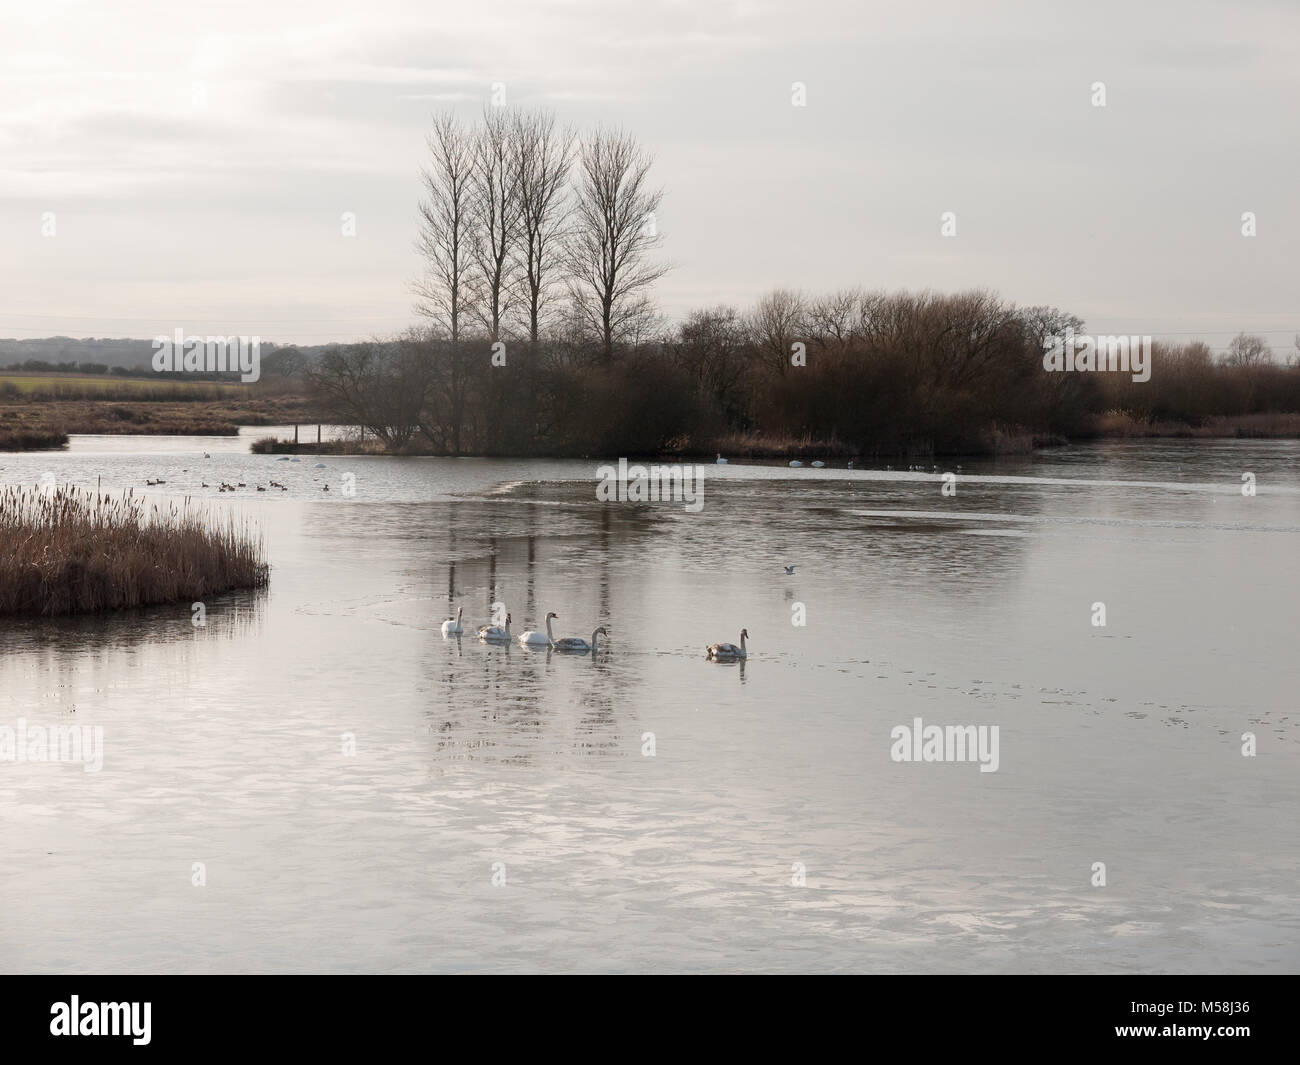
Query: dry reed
x=65, y=551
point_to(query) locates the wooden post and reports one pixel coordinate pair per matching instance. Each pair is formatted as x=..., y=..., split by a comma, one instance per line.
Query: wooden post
x=295, y=432
x=318, y=434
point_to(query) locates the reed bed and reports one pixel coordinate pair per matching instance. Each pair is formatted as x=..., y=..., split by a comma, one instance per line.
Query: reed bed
x=65, y=551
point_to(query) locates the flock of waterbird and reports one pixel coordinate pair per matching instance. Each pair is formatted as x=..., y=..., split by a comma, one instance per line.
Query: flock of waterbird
x=455, y=627
x=795, y=464
x=575, y=645
x=818, y=464
x=225, y=487
x=715, y=652
x=532, y=638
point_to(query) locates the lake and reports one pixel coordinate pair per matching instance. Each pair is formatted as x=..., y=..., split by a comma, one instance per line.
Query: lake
x=318, y=781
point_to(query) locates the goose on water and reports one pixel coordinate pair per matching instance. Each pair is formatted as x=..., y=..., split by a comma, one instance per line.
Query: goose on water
x=728, y=652
x=495, y=633
x=452, y=627
x=534, y=638
x=577, y=645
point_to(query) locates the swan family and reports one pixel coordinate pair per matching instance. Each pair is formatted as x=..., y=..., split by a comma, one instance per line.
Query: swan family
x=718, y=652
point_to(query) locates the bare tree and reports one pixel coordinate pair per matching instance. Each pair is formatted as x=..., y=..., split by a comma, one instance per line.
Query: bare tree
x=496, y=217
x=445, y=244
x=381, y=385
x=445, y=225
x=710, y=346
x=613, y=233
x=1247, y=350
x=833, y=319
x=774, y=325
x=544, y=156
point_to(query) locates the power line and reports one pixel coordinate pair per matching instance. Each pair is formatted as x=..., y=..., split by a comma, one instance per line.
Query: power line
x=196, y=317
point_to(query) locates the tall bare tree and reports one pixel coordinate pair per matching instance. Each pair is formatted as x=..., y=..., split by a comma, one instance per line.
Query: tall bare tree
x=446, y=218
x=613, y=234
x=445, y=243
x=496, y=217
x=544, y=157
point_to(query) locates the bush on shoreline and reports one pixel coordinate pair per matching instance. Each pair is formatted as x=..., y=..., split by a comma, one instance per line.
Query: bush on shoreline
x=32, y=439
x=852, y=374
x=71, y=552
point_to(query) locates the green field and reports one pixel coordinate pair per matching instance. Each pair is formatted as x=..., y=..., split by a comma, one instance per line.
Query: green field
x=38, y=382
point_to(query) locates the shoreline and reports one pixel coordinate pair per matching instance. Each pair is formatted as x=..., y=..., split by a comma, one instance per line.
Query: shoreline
x=43, y=425
x=162, y=419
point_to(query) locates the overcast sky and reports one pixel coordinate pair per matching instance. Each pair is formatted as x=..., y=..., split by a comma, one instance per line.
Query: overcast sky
x=198, y=157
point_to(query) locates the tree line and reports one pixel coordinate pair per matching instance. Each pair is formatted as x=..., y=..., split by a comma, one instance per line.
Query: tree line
x=540, y=249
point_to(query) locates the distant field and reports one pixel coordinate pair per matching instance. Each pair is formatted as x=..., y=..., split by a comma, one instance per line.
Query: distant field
x=38, y=382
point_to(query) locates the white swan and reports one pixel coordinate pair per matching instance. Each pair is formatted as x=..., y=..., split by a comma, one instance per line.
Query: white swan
x=818, y=464
x=533, y=638
x=577, y=645
x=721, y=460
x=495, y=633
x=795, y=464
x=453, y=628
x=728, y=652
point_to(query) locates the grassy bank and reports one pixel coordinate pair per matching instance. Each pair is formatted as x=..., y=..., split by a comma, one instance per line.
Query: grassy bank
x=71, y=552
x=1279, y=426
x=36, y=386
x=45, y=419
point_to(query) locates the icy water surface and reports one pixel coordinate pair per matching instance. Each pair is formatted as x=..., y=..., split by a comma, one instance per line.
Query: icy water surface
x=501, y=811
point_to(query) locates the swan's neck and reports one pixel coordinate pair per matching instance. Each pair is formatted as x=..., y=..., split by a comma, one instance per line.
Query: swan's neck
x=595, y=639
x=742, y=643
x=549, y=637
